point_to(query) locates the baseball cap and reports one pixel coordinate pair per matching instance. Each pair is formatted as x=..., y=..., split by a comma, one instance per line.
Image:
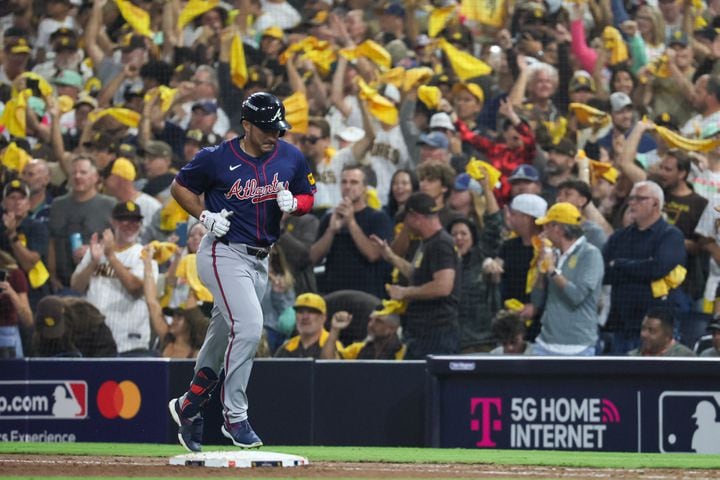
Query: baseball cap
x=714, y=326
x=123, y=168
x=16, y=186
x=18, y=46
x=581, y=80
x=666, y=120
x=66, y=43
x=565, y=146
x=274, y=32
x=441, y=120
x=562, y=212
x=127, y=150
x=421, y=203
x=529, y=204
x=619, y=100
x=394, y=9
x=475, y=89
x=157, y=148
x=169, y=311
x=525, y=172
x=127, y=210
x=206, y=106
x=86, y=99
x=49, y=321
x=130, y=42
x=678, y=37
x=434, y=140
x=69, y=78
x=351, y=134
x=101, y=141
x=311, y=300
x=465, y=182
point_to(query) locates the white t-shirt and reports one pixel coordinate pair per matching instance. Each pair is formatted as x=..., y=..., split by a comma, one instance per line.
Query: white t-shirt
x=328, y=179
x=387, y=154
x=706, y=227
x=126, y=315
x=701, y=127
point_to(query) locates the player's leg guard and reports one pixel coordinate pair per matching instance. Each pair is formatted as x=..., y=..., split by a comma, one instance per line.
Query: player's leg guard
x=186, y=411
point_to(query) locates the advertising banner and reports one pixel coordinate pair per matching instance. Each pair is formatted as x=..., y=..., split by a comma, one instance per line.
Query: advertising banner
x=84, y=401
x=591, y=404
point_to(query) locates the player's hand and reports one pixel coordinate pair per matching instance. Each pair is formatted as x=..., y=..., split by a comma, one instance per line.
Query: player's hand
x=286, y=201
x=216, y=223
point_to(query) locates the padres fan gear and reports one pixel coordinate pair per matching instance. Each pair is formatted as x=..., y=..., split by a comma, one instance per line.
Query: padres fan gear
x=266, y=111
x=242, y=435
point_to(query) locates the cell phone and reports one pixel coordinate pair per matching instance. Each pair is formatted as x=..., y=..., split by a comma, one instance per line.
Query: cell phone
x=3, y=275
x=34, y=85
x=181, y=231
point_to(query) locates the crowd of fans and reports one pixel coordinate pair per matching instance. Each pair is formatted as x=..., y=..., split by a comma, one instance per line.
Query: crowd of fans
x=527, y=177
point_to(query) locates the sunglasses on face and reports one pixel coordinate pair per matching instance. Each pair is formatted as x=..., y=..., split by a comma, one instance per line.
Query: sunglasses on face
x=311, y=139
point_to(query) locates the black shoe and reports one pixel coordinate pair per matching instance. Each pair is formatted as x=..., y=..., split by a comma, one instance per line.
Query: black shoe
x=190, y=430
x=241, y=434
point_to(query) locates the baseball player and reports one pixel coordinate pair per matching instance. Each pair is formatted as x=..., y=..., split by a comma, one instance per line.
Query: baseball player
x=239, y=191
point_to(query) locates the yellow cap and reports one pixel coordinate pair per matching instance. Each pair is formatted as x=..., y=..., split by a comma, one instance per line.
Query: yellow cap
x=311, y=300
x=274, y=32
x=475, y=89
x=562, y=212
x=123, y=168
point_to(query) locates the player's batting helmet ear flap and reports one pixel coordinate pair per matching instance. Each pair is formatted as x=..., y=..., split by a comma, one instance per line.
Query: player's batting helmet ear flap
x=265, y=111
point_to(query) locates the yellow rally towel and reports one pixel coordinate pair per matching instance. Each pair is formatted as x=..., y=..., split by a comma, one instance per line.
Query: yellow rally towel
x=193, y=9
x=172, y=214
x=513, y=304
x=613, y=41
x=439, y=18
x=238, y=66
x=163, y=251
x=589, y=116
x=659, y=67
x=661, y=287
x=14, y=116
x=416, y=76
x=187, y=269
x=688, y=144
x=429, y=96
x=487, y=12
x=370, y=50
x=538, y=244
x=15, y=158
x=38, y=275
x=138, y=18
x=371, y=196
x=477, y=169
x=167, y=95
x=557, y=129
x=392, y=306
x=600, y=170
x=43, y=85
x=379, y=106
x=297, y=112
x=463, y=63
x=129, y=118
x=394, y=76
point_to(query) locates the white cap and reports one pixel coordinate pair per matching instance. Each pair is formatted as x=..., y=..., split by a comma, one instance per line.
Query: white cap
x=530, y=204
x=619, y=100
x=351, y=134
x=441, y=120
x=392, y=93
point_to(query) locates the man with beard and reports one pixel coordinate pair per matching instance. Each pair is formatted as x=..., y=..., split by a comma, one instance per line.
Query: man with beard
x=110, y=275
x=560, y=168
x=623, y=118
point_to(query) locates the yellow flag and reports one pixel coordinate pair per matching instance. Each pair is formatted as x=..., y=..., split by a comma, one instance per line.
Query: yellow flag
x=487, y=12
x=687, y=144
x=138, y=18
x=429, y=96
x=416, y=76
x=463, y=63
x=193, y=9
x=15, y=158
x=477, y=169
x=370, y=50
x=297, y=112
x=38, y=275
x=613, y=41
x=129, y=118
x=589, y=116
x=379, y=106
x=238, y=66
x=438, y=19
x=14, y=116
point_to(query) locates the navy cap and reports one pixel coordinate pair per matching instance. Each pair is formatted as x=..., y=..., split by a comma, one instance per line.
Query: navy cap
x=465, y=182
x=525, y=172
x=434, y=140
x=394, y=9
x=207, y=106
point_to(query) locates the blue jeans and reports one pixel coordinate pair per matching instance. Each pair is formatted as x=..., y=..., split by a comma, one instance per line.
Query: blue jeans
x=538, y=350
x=440, y=340
x=623, y=341
x=10, y=339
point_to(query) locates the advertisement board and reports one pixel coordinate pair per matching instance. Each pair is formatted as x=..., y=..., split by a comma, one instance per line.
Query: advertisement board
x=598, y=404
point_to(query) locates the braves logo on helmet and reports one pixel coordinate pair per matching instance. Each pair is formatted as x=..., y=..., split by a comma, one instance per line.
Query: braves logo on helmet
x=265, y=111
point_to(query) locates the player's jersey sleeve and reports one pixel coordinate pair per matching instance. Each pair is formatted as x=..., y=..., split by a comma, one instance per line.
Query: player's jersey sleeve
x=303, y=181
x=197, y=175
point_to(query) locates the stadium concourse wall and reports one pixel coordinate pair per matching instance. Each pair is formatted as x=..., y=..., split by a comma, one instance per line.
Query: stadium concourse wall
x=604, y=404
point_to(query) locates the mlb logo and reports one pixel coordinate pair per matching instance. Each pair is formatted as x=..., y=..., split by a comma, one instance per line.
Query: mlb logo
x=689, y=422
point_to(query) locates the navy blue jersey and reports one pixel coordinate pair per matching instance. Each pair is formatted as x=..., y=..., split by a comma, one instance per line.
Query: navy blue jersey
x=248, y=186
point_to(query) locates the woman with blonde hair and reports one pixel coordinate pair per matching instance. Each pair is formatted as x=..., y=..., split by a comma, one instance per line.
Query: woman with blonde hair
x=14, y=307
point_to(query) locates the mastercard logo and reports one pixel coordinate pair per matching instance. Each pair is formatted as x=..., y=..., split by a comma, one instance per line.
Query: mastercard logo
x=119, y=399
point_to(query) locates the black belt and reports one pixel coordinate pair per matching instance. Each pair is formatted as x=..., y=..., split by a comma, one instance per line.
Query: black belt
x=258, y=253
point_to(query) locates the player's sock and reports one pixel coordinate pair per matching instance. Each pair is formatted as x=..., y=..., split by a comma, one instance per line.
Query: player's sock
x=197, y=396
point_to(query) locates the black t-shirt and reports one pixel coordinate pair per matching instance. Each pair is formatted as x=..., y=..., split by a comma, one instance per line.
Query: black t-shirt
x=158, y=184
x=434, y=254
x=346, y=268
x=516, y=262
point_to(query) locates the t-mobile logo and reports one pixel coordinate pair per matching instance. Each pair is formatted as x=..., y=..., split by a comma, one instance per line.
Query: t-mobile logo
x=483, y=407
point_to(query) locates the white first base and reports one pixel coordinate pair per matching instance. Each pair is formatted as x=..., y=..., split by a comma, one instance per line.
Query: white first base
x=239, y=459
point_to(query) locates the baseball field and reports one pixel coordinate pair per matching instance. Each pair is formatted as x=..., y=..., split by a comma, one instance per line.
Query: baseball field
x=104, y=460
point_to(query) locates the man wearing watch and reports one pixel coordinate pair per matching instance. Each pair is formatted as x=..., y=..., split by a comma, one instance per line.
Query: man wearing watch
x=574, y=272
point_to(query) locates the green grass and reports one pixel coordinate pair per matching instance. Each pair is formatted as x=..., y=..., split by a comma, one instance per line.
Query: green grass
x=396, y=455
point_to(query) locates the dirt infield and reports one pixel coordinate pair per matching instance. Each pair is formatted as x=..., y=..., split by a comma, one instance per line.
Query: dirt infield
x=85, y=466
